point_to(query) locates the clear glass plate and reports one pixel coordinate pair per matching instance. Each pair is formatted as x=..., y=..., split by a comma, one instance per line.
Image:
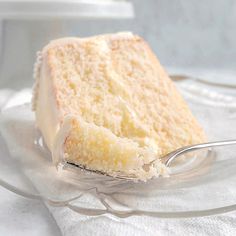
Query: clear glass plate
x=198, y=186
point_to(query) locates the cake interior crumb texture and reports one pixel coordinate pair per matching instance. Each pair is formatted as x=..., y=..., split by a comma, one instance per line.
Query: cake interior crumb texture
x=124, y=110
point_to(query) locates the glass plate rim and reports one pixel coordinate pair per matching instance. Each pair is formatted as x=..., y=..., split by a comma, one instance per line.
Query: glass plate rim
x=123, y=214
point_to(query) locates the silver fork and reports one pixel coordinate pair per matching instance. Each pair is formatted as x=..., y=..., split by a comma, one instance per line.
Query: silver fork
x=168, y=159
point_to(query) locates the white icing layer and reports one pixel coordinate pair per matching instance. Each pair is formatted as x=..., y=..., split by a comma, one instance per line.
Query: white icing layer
x=46, y=109
x=36, y=77
x=58, y=145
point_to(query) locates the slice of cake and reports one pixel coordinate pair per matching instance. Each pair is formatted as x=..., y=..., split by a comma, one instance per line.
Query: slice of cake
x=106, y=103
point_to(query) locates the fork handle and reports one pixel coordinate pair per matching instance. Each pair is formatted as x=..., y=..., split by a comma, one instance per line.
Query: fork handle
x=171, y=156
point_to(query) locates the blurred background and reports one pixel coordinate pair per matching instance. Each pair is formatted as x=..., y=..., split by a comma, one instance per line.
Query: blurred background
x=183, y=33
x=188, y=36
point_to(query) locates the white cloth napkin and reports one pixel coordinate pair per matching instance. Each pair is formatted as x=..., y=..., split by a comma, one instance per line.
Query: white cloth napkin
x=74, y=224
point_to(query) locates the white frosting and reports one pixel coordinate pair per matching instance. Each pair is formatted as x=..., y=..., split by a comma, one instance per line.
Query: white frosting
x=44, y=105
x=46, y=109
x=122, y=36
x=36, y=76
x=58, y=145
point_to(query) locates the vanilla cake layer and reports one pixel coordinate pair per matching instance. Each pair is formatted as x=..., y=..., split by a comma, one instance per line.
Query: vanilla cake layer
x=120, y=108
